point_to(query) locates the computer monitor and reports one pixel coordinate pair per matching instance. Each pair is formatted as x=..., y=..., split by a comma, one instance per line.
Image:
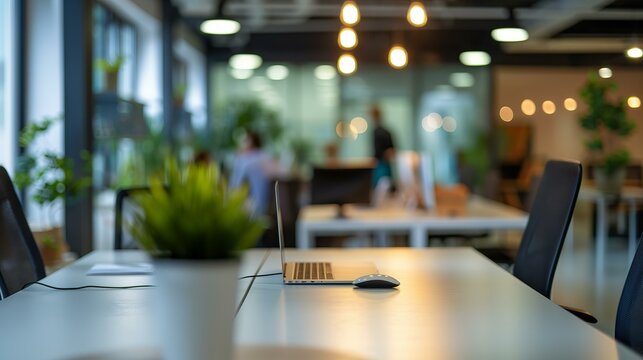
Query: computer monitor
x=342, y=184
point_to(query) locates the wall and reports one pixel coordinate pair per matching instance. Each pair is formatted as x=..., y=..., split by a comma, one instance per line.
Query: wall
x=559, y=135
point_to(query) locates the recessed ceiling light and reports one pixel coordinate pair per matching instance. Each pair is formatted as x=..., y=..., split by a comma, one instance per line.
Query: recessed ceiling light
x=475, y=58
x=634, y=52
x=462, y=80
x=220, y=26
x=245, y=61
x=509, y=34
x=277, y=72
x=605, y=72
x=325, y=72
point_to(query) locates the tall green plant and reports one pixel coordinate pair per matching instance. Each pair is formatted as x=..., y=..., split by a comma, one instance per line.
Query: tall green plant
x=607, y=122
x=195, y=216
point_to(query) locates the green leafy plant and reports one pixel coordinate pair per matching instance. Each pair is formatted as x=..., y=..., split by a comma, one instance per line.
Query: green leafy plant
x=242, y=116
x=108, y=66
x=606, y=121
x=47, y=173
x=195, y=216
x=302, y=149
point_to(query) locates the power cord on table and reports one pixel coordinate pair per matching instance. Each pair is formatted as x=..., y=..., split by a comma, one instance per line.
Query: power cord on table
x=121, y=287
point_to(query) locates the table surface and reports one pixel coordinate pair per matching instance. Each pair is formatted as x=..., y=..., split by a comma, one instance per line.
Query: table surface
x=452, y=304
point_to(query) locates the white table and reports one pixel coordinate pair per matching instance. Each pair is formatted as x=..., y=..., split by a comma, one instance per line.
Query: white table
x=452, y=304
x=481, y=214
x=629, y=195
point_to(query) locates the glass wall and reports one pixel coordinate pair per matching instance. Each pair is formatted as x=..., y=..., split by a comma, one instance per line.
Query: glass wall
x=7, y=127
x=440, y=110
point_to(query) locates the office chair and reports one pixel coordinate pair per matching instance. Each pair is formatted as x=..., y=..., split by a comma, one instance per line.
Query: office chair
x=20, y=260
x=549, y=218
x=125, y=208
x=629, y=327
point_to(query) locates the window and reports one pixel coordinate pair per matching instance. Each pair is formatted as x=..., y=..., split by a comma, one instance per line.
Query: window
x=7, y=127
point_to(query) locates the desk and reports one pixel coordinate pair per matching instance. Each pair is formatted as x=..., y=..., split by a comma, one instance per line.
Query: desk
x=452, y=304
x=630, y=195
x=481, y=214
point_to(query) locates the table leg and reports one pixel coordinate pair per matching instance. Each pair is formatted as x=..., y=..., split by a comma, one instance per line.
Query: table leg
x=418, y=237
x=631, y=243
x=303, y=237
x=601, y=232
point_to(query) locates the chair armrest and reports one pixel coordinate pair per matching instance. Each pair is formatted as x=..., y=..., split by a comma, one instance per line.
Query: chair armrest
x=581, y=314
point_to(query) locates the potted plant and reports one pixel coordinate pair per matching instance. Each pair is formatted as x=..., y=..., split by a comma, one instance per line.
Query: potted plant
x=195, y=228
x=302, y=150
x=50, y=177
x=110, y=71
x=607, y=123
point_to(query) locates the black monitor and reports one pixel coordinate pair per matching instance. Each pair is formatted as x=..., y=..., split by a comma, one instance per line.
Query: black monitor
x=344, y=184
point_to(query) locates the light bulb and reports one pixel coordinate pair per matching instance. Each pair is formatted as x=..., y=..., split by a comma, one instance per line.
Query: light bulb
x=349, y=15
x=475, y=58
x=220, y=27
x=245, y=61
x=509, y=34
x=347, y=38
x=397, y=57
x=634, y=52
x=346, y=64
x=416, y=15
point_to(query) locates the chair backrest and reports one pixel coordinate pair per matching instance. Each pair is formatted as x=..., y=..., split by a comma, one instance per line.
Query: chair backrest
x=629, y=317
x=125, y=210
x=20, y=260
x=549, y=219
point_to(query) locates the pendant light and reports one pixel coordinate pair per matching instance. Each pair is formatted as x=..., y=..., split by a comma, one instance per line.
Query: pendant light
x=416, y=15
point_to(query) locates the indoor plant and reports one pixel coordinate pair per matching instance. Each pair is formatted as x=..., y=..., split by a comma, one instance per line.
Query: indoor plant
x=606, y=122
x=49, y=176
x=110, y=71
x=195, y=228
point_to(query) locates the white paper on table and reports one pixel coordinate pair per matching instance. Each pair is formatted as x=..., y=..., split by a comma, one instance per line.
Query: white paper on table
x=121, y=269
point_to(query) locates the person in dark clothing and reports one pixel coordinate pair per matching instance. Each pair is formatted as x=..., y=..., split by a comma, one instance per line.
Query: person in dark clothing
x=383, y=147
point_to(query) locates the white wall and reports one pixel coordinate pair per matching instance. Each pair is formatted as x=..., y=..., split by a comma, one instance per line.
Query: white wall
x=559, y=135
x=7, y=111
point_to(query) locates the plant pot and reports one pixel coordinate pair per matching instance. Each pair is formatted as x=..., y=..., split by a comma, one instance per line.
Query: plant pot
x=111, y=81
x=195, y=307
x=51, y=244
x=609, y=184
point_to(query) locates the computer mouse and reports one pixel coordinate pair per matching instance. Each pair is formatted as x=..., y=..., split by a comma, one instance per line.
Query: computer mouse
x=376, y=281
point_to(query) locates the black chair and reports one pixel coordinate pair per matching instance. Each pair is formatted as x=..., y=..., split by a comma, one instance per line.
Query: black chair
x=20, y=260
x=125, y=209
x=629, y=316
x=549, y=218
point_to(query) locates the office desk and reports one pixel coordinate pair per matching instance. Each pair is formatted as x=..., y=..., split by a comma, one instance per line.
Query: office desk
x=480, y=214
x=452, y=304
x=631, y=196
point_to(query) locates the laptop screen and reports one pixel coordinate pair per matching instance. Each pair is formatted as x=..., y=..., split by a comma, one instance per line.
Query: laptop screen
x=280, y=231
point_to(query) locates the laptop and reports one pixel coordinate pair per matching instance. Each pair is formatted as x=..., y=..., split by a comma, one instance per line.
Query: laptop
x=317, y=272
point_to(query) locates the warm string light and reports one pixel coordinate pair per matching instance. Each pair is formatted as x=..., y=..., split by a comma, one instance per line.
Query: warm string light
x=349, y=14
x=347, y=38
x=398, y=57
x=346, y=64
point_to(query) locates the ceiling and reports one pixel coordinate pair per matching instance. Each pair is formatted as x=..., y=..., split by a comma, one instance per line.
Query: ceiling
x=562, y=32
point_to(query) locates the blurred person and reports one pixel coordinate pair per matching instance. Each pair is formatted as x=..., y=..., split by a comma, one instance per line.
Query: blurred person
x=256, y=168
x=383, y=148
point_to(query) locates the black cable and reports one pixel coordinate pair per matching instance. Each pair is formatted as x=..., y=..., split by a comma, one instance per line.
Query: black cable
x=260, y=275
x=85, y=286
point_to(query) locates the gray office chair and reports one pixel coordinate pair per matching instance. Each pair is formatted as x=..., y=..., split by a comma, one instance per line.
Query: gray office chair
x=549, y=218
x=629, y=317
x=20, y=260
x=125, y=210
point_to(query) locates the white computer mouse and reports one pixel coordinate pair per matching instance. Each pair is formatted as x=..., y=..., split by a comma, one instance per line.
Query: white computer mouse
x=376, y=281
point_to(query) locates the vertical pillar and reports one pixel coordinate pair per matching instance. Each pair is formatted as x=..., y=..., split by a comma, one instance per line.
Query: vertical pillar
x=78, y=113
x=167, y=25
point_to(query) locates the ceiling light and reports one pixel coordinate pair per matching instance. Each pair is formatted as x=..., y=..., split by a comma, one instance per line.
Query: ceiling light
x=475, y=58
x=605, y=72
x=634, y=102
x=509, y=34
x=325, y=72
x=347, y=38
x=462, y=80
x=240, y=74
x=245, y=61
x=416, y=15
x=220, y=26
x=528, y=107
x=634, y=52
x=277, y=72
x=506, y=114
x=349, y=15
x=397, y=57
x=346, y=64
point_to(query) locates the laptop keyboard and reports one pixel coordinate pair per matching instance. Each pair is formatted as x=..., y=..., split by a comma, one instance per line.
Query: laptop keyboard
x=313, y=271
